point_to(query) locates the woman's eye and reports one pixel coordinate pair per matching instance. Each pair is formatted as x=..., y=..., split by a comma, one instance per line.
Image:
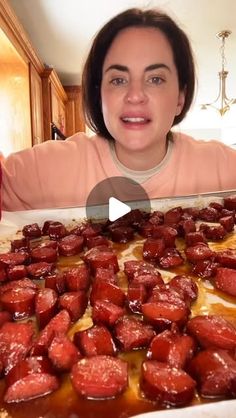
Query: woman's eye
x=155, y=80
x=118, y=81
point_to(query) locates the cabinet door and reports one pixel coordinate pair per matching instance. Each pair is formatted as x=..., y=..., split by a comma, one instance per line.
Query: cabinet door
x=58, y=110
x=36, y=106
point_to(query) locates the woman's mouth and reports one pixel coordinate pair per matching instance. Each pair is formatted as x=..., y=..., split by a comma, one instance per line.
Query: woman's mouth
x=135, y=121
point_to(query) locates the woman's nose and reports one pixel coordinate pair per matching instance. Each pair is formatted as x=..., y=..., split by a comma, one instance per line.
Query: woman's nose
x=136, y=93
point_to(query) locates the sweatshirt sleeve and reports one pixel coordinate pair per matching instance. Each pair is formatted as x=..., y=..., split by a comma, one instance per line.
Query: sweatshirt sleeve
x=42, y=176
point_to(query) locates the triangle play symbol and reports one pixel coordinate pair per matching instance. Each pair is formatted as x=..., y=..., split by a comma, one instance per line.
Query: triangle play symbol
x=117, y=209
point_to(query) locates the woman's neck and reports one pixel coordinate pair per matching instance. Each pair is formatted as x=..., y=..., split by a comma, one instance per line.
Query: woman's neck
x=141, y=160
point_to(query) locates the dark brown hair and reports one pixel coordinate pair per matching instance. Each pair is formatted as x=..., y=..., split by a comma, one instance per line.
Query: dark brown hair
x=92, y=73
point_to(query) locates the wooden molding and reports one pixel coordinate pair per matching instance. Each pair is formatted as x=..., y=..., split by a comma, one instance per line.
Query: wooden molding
x=16, y=33
x=50, y=74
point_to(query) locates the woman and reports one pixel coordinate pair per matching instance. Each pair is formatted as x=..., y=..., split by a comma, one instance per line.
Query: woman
x=138, y=82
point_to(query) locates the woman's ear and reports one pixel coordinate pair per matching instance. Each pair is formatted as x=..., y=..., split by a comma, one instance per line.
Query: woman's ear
x=180, y=103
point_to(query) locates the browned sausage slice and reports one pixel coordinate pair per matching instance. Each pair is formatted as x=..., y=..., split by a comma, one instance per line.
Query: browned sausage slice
x=13, y=259
x=77, y=278
x=213, y=331
x=95, y=341
x=172, y=347
x=47, y=254
x=39, y=270
x=167, y=385
x=19, y=302
x=16, y=272
x=63, y=353
x=105, y=312
x=15, y=342
x=100, y=377
x=225, y=280
x=75, y=303
x=45, y=306
x=70, y=245
x=29, y=379
x=215, y=372
x=133, y=333
x=58, y=325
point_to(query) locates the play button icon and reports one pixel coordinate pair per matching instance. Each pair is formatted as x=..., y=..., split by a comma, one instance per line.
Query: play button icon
x=113, y=197
x=117, y=209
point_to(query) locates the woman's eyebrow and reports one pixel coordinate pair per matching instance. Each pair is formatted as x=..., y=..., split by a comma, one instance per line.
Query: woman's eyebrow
x=148, y=68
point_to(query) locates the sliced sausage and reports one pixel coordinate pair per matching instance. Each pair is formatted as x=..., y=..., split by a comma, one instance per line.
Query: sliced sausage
x=132, y=333
x=215, y=233
x=162, y=314
x=166, y=232
x=136, y=267
x=16, y=284
x=209, y=214
x=19, y=302
x=215, y=372
x=75, y=303
x=105, y=312
x=149, y=280
x=106, y=275
x=198, y=252
x=225, y=280
x=70, y=245
x=101, y=257
x=56, y=230
x=96, y=241
x=226, y=258
x=56, y=281
x=186, y=285
x=15, y=342
x=165, y=384
x=32, y=231
x=45, y=306
x=172, y=347
x=153, y=248
x=3, y=274
x=192, y=238
x=13, y=259
x=213, y=331
x=39, y=270
x=21, y=244
x=230, y=202
x=205, y=268
x=173, y=216
x=227, y=222
x=171, y=258
x=5, y=316
x=16, y=272
x=63, y=353
x=122, y=234
x=57, y=326
x=95, y=341
x=47, y=254
x=102, y=290
x=30, y=378
x=77, y=278
x=137, y=295
x=100, y=377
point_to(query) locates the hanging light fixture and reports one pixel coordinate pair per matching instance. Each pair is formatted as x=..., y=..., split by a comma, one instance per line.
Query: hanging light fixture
x=222, y=103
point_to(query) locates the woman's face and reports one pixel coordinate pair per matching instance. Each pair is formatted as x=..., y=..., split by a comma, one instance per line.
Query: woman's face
x=140, y=91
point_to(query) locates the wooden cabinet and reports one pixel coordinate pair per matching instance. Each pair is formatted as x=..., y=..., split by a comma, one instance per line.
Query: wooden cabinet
x=74, y=113
x=54, y=103
x=40, y=100
x=22, y=124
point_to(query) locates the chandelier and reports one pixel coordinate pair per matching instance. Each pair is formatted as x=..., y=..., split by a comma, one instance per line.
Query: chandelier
x=222, y=103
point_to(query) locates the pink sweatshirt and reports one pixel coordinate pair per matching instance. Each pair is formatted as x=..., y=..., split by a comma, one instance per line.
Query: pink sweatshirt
x=62, y=173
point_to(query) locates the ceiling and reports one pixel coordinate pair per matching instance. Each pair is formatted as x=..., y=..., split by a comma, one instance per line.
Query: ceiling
x=62, y=31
